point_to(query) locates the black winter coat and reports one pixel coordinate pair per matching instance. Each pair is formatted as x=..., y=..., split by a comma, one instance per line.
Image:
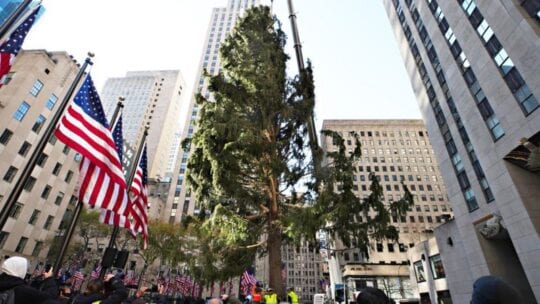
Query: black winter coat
x=24, y=294
x=117, y=294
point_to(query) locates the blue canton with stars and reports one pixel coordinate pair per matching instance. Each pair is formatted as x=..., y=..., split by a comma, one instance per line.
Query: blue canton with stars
x=14, y=43
x=117, y=136
x=143, y=165
x=88, y=99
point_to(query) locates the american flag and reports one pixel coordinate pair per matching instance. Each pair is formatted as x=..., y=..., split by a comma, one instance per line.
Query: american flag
x=107, y=216
x=140, y=199
x=84, y=128
x=11, y=47
x=95, y=272
x=247, y=281
x=77, y=280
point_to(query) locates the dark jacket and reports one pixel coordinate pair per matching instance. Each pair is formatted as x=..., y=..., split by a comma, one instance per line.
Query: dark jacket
x=117, y=293
x=24, y=294
x=50, y=287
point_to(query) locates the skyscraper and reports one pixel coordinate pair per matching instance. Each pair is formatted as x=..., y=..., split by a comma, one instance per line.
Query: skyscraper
x=475, y=68
x=399, y=153
x=37, y=83
x=153, y=99
x=179, y=201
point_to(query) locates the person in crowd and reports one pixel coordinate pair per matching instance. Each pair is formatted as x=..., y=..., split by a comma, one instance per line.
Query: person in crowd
x=494, y=290
x=256, y=296
x=224, y=298
x=270, y=297
x=215, y=301
x=12, y=283
x=110, y=291
x=49, y=285
x=370, y=295
x=292, y=297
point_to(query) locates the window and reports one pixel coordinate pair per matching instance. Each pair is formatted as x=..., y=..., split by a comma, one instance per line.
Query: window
x=419, y=271
x=390, y=247
x=51, y=102
x=21, y=111
x=437, y=267
x=6, y=136
x=34, y=217
x=402, y=247
x=57, y=169
x=48, y=222
x=37, y=248
x=46, y=192
x=29, y=184
x=21, y=244
x=69, y=176
x=10, y=174
x=16, y=210
x=59, y=198
x=42, y=159
x=36, y=88
x=65, y=150
x=73, y=200
x=3, y=238
x=379, y=247
x=40, y=121
x=25, y=147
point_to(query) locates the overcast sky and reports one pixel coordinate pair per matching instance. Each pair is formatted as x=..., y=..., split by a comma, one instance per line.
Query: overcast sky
x=357, y=66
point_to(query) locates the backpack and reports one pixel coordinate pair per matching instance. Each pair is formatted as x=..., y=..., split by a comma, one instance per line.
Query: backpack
x=7, y=297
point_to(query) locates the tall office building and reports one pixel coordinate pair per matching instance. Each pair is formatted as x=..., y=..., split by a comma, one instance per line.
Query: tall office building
x=475, y=68
x=153, y=99
x=179, y=201
x=36, y=85
x=398, y=152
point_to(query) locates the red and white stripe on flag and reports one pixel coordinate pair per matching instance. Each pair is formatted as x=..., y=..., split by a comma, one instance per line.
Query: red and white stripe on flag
x=84, y=128
x=140, y=200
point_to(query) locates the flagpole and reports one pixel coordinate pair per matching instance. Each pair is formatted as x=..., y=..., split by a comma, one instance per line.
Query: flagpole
x=129, y=181
x=79, y=206
x=32, y=161
x=4, y=29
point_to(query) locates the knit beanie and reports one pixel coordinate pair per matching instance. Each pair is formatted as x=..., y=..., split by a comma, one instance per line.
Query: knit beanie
x=15, y=266
x=493, y=290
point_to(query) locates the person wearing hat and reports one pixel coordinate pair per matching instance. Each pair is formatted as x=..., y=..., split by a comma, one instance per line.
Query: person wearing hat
x=270, y=297
x=12, y=279
x=494, y=290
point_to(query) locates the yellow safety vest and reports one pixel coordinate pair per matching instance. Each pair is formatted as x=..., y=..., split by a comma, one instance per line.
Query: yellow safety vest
x=270, y=299
x=294, y=297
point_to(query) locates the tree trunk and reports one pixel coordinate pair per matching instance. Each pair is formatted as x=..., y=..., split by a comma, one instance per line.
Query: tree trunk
x=274, y=260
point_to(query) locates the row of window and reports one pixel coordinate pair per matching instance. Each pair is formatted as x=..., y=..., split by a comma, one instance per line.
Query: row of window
x=469, y=76
x=457, y=162
x=21, y=245
x=388, y=133
x=511, y=75
x=435, y=105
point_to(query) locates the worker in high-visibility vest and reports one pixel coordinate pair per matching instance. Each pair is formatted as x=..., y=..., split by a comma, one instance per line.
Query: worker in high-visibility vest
x=292, y=297
x=256, y=295
x=270, y=297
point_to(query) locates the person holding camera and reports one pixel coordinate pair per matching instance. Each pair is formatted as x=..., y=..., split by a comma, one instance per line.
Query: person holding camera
x=109, y=291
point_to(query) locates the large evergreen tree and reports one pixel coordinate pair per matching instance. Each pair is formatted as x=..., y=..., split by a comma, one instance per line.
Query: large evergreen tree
x=250, y=166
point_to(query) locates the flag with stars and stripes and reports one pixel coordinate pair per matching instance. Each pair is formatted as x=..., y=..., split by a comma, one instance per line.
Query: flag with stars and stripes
x=140, y=199
x=247, y=281
x=84, y=128
x=12, y=45
x=106, y=216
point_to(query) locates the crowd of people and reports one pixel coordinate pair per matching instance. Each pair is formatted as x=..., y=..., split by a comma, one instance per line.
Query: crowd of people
x=14, y=289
